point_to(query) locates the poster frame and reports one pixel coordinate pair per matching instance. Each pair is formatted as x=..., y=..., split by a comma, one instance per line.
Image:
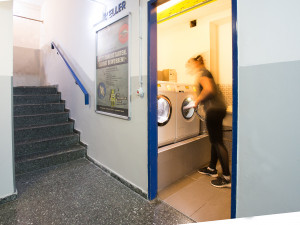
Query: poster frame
x=128, y=117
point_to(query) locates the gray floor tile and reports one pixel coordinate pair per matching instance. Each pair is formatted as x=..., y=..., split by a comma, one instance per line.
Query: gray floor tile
x=81, y=193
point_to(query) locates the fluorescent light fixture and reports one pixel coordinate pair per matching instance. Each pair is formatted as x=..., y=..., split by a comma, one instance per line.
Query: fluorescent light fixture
x=167, y=5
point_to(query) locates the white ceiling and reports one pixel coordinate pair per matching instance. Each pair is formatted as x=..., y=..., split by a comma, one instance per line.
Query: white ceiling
x=32, y=2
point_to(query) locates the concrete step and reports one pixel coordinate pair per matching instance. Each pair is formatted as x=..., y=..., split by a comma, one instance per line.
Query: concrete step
x=40, y=119
x=36, y=99
x=43, y=135
x=39, y=161
x=42, y=132
x=51, y=144
x=33, y=109
x=26, y=90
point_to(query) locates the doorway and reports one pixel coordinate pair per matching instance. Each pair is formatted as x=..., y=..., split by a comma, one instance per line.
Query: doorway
x=152, y=97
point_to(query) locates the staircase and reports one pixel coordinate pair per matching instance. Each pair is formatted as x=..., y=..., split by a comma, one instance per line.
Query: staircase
x=44, y=135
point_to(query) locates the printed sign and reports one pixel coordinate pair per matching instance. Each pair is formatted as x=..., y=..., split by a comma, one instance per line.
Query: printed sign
x=112, y=70
x=115, y=10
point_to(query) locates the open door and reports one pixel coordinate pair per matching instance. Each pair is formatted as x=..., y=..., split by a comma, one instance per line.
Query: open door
x=152, y=101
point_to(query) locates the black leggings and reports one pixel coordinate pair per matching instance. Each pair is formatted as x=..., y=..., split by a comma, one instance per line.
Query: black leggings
x=214, y=120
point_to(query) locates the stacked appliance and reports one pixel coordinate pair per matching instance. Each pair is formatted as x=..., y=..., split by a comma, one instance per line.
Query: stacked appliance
x=166, y=112
x=174, y=123
x=187, y=123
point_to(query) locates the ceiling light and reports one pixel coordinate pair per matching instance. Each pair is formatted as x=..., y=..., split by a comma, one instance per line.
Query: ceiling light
x=167, y=5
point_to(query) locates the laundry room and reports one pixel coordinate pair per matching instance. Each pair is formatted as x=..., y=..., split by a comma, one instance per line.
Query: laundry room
x=186, y=29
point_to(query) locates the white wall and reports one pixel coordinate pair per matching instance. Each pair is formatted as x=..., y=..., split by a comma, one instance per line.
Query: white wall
x=268, y=107
x=7, y=187
x=27, y=32
x=6, y=37
x=263, y=26
x=221, y=50
x=225, y=53
x=26, y=44
x=119, y=145
x=177, y=42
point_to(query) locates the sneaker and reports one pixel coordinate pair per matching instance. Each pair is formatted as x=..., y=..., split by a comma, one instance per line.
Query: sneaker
x=206, y=171
x=221, y=182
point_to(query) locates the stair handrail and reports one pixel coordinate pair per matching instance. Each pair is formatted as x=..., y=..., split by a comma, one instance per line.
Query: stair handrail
x=77, y=81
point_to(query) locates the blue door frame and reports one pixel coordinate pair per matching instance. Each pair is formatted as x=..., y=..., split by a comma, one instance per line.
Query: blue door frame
x=152, y=101
x=234, y=106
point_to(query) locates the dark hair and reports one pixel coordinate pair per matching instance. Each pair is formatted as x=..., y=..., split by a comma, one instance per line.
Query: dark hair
x=199, y=58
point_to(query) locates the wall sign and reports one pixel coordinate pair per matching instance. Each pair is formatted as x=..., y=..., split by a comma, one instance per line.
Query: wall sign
x=115, y=10
x=112, y=71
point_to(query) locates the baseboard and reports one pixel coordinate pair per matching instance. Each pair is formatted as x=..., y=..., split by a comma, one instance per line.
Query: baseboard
x=9, y=198
x=121, y=180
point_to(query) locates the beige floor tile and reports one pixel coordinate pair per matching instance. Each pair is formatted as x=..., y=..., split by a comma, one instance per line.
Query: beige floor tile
x=217, y=208
x=195, y=197
x=172, y=189
x=192, y=197
x=195, y=175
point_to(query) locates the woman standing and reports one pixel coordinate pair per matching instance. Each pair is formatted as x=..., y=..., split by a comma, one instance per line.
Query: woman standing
x=214, y=105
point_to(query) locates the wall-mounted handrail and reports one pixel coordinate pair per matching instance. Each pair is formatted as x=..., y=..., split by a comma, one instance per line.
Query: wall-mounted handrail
x=27, y=18
x=77, y=81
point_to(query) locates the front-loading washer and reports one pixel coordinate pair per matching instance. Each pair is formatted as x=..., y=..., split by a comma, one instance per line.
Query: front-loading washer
x=166, y=112
x=187, y=123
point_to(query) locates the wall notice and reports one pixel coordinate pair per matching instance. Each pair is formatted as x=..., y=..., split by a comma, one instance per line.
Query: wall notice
x=112, y=78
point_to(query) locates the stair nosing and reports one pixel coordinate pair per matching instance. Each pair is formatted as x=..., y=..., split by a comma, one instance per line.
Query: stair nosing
x=77, y=147
x=42, y=114
x=56, y=103
x=48, y=125
x=46, y=139
x=43, y=86
x=35, y=95
x=36, y=87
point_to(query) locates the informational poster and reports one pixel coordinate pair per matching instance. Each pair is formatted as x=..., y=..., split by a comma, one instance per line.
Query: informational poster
x=112, y=78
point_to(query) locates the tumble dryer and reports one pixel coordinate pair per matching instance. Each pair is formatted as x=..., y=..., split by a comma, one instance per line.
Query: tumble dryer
x=166, y=112
x=187, y=123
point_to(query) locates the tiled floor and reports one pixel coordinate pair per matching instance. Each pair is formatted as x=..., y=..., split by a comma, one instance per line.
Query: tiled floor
x=80, y=193
x=195, y=197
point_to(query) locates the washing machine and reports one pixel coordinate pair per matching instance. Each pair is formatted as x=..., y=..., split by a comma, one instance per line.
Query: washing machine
x=187, y=122
x=166, y=112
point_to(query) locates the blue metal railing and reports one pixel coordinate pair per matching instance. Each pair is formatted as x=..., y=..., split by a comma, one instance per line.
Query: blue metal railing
x=77, y=81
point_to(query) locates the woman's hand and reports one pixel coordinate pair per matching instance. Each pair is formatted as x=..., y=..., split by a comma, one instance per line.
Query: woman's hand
x=190, y=105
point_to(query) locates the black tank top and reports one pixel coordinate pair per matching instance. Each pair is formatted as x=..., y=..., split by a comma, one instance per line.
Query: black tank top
x=217, y=100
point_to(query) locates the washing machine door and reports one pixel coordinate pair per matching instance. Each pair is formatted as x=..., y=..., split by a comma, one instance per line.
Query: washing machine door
x=187, y=113
x=164, y=110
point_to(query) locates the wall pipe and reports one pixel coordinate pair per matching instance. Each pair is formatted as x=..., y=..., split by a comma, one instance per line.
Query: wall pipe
x=140, y=90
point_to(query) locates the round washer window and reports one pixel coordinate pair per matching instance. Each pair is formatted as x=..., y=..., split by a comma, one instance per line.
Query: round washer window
x=164, y=110
x=187, y=113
